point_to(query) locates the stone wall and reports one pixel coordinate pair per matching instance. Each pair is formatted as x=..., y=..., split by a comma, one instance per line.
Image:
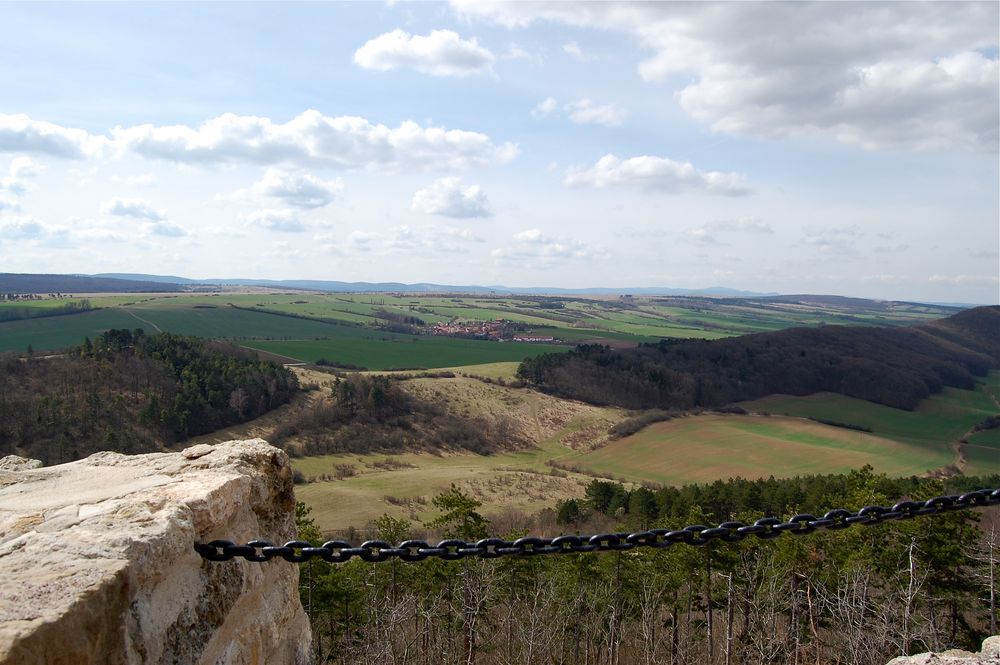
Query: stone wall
x=97, y=564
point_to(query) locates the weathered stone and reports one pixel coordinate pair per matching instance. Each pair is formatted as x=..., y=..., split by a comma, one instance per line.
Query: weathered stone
x=991, y=648
x=16, y=463
x=989, y=655
x=98, y=565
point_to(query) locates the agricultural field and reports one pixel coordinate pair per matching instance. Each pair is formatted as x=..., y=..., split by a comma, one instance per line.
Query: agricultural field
x=349, y=328
x=944, y=417
x=59, y=332
x=713, y=447
x=375, y=350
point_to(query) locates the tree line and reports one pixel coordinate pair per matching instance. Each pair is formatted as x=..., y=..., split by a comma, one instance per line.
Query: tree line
x=896, y=366
x=131, y=392
x=859, y=596
x=19, y=313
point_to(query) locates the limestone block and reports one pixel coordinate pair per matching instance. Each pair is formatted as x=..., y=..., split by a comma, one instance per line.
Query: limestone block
x=989, y=655
x=97, y=564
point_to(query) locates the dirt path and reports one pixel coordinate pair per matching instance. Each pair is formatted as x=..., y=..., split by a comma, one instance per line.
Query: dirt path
x=139, y=318
x=958, y=446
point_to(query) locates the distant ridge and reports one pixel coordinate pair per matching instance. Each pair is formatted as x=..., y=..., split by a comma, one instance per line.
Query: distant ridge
x=26, y=283
x=894, y=366
x=422, y=287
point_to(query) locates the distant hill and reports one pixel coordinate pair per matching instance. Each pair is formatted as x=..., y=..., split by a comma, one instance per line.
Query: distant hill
x=396, y=287
x=138, y=277
x=896, y=366
x=25, y=283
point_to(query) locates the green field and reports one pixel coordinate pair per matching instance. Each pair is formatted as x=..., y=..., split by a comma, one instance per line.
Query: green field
x=59, y=332
x=379, y=351
x=607, y=320
x=298, y=338
x=941, y=418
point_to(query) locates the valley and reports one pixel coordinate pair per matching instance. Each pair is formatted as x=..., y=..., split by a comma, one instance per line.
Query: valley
x=542, y=446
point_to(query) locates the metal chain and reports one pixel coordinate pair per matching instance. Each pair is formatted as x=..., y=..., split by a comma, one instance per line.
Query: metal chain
x=338, y=551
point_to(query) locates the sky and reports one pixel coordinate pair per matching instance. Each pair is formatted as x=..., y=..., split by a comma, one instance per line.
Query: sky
x=827, y=148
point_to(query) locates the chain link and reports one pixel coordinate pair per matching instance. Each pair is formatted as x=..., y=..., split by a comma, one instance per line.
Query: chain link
x=339, y=551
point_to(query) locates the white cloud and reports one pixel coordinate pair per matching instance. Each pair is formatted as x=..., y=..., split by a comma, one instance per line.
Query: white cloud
x=283, y=220
x=883, y=75
x=441, y=53
x=429, y=240
x=309, y=139
x=573, y=50
x=314, y=139
x=422, y=241
x=958, y=280
x=16, y=182
x=299, y=190
x=839, y=240
x=707, y=234
x=586, y=112
x=19, y=133
x=19, y=228
x=533, y=249
x=656, y=174
x=134, y=208
x=515, y=52
x=164, y=228
x=449, y=198
x=544, y=107
x=985, y=254
x=140, y=180
x=743, y=224
x=9, y=204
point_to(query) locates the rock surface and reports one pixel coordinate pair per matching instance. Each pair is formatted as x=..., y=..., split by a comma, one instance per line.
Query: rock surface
x=988, y=655
x=97, y=563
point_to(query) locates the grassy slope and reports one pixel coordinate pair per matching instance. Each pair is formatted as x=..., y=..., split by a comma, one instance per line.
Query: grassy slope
x=942, y=418
x=696, y=448
x=710, y=447
x=517, y=479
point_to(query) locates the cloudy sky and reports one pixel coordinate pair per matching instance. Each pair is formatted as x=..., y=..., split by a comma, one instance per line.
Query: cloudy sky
x=843, y=148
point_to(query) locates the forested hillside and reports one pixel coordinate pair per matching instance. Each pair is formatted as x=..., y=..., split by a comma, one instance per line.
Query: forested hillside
x=366, y=413
x=29, y=283
x=857, y=596
x=131, y=392
x=893, y=366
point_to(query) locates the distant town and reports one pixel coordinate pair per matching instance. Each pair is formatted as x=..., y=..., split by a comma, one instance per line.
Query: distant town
x=495, y=329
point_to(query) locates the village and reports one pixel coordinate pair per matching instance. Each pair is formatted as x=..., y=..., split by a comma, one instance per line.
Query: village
x=499, y=330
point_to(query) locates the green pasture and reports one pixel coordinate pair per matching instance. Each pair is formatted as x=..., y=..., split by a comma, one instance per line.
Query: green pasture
x=711, y=447
x=48, y=303
x=228, y=322
x=377, y=350
x=941, y=419
x=982, y=453
x=60, y=332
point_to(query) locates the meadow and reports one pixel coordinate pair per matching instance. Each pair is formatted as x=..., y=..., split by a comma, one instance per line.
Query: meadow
x=386, y=351
x=717, y=447
x=943, y=417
